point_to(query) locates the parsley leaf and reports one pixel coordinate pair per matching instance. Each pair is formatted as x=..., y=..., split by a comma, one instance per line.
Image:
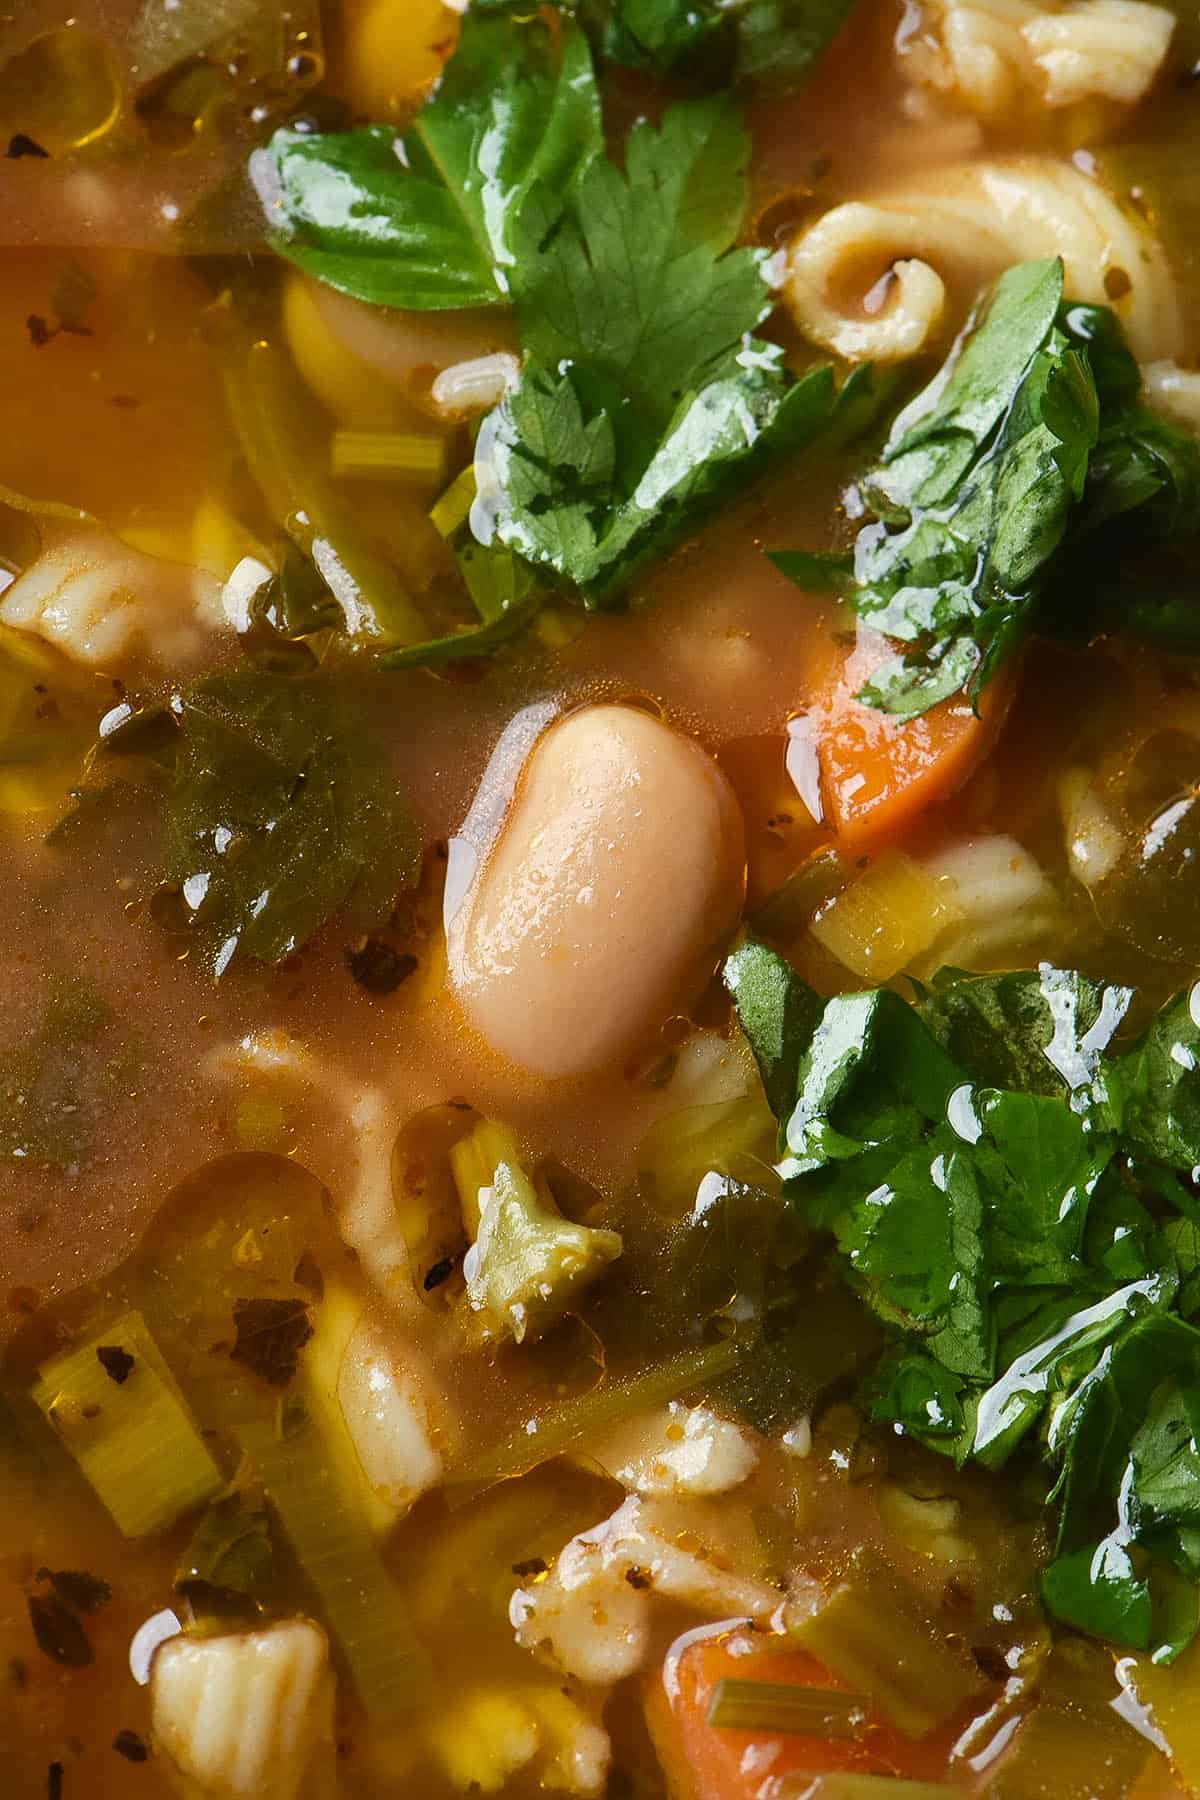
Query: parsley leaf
x=777, y=39
x=997, y=1178
x=423, y=222
x=279, y=813
x=1001, y=491
x=646, y=399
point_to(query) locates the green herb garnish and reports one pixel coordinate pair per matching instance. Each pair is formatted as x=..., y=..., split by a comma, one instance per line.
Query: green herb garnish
x=645, y=399
x=1002, y=494
x=1011, y=1195
x=280, y=811
x=270, y=1334
x=757, y=38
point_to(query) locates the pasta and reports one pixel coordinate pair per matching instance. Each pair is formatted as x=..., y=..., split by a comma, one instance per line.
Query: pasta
x=869, y=279
x=109, y=606
x=994, y=55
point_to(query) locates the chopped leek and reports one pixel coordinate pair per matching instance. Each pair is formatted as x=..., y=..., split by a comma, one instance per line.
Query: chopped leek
x=451, y=511
x=474, y=1161
x=130, y=1432
x=564, y=1427
x=275, y=422
x=891, y=914
x=309, y=1468
x=782, y=1706
x=388, y=455
x=681, y=1148
x=876, y=1635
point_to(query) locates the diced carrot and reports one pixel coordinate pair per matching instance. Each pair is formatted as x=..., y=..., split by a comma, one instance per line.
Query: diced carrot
x=710, y=1762
x=878, y=774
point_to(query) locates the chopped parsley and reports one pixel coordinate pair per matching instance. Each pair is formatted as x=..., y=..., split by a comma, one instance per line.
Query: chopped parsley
x=1009, y=1188
x=58, y=1631
x=1004, y=493
x=82, y=1592
x=270, y=1336
x=646, y=396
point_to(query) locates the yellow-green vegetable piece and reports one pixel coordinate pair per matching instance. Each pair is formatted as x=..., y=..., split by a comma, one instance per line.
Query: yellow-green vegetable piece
x=529, y=1264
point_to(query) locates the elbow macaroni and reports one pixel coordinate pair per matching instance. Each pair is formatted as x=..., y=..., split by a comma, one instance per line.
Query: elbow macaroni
x=992, y=55
x=965, y=227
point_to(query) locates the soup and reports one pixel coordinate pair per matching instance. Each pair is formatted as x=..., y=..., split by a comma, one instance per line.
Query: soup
x=599, y=756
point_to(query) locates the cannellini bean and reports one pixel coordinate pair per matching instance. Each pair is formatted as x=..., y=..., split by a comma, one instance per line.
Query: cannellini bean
x=604, y=901
x=248, y=1716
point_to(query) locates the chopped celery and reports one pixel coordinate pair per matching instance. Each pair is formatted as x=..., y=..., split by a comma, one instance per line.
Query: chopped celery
x=116, y=1408
x=566, y=1426
x=845, y=1784
x=874, y=1633
x=782, y=1706
x=474, y=1161
x=450, y=512
x=388, y=455
x=891, y=914
x=528, y=1264
x=307, y=1463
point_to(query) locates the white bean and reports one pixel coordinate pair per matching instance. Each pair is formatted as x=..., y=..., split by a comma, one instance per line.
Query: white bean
x=605, y=899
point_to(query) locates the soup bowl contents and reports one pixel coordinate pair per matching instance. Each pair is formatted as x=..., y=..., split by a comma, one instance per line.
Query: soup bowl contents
x=600, y=1033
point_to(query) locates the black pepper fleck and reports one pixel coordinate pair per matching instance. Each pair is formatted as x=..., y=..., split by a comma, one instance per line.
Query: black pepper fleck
x=129, y=1745
x=116, y=1363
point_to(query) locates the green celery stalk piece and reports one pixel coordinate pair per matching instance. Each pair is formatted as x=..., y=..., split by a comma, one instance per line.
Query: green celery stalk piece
x=878, y=1639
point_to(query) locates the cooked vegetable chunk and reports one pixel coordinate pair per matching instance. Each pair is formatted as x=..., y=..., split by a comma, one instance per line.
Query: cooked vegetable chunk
x=528, y=1264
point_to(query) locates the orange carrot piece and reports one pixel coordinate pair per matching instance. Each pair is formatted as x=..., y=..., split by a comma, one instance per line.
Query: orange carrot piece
x=879, y=774
x=710, y=1762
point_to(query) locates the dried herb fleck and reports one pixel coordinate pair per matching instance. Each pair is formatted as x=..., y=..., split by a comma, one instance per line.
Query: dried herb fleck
x=116, y=1363
x=270, y=1336
x=58, y=1632
x=20, y=144
x=82, y=1592
x=129, y=1745
x=639, y=1578
x=54, y=1781
x=379, y=968
x=533, y=1565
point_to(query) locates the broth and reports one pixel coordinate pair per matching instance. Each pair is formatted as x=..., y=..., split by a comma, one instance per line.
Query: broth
x=132, y=1124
